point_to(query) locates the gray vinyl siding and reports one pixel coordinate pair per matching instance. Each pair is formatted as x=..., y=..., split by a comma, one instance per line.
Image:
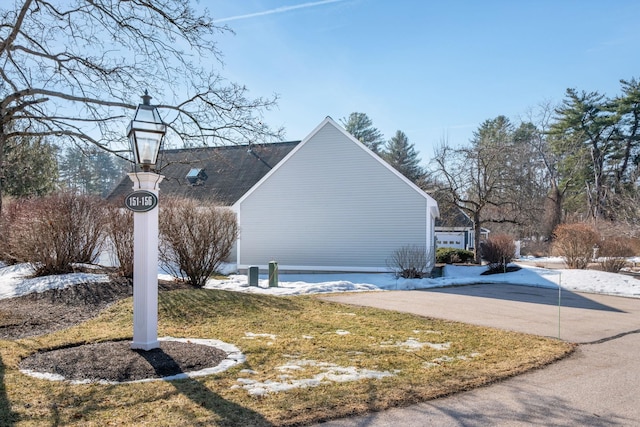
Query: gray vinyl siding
x=331, y=204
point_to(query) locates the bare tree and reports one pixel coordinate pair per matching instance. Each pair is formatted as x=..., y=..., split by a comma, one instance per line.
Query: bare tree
x=476, y=178
x=74, y=70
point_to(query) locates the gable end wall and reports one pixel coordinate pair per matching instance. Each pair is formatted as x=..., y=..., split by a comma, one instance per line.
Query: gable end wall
x=330, y=206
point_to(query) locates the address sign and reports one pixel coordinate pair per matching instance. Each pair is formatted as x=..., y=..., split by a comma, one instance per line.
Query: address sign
x=141, y=201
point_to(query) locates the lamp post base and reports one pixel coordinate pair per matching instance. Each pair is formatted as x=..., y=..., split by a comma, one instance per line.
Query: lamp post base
x=146, y=346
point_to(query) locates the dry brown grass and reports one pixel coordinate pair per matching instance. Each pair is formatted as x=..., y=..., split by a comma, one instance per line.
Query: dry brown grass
x=476, y=356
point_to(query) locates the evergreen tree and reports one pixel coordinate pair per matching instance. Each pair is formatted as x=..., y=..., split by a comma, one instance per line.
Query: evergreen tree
x=627, y=108
x=30, y=167
x=587, y=137
x=90, y=171
x=109, y=170
x=403, y=156
x=75, y=172
x=361, y=127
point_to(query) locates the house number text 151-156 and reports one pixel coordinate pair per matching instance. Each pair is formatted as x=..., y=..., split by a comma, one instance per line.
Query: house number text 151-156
x=141, y=201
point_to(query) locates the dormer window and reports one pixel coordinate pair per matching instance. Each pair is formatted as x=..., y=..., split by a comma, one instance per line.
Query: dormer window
x=196, y=176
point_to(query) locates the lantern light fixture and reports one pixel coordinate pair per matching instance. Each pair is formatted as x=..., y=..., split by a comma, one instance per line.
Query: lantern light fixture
x=145, y=133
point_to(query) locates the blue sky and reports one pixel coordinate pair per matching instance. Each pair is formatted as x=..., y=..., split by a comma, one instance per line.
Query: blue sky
x=433, y=69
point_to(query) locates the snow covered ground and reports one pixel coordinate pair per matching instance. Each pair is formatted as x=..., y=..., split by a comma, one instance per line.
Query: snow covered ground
x=14, y=281
x=577, y=280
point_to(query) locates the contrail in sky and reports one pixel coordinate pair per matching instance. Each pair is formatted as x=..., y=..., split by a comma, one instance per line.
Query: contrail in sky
x=276, y=10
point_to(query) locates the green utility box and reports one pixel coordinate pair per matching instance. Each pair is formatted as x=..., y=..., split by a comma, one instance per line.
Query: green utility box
x=273, y=274
x=253, y=276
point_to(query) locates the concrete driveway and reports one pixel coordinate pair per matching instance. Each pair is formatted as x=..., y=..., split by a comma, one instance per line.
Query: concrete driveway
x=599, y=385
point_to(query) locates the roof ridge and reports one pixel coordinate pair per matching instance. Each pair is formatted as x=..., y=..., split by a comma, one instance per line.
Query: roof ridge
x=223, y=147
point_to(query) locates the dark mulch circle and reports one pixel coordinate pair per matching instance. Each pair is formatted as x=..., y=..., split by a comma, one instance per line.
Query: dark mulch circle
x=116, y=362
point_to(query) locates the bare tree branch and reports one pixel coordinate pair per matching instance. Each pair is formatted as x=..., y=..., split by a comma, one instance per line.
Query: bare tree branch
x=76, y=69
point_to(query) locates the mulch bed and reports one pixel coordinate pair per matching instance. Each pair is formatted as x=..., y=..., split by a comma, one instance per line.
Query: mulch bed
x=117, y=362
x=46, y=312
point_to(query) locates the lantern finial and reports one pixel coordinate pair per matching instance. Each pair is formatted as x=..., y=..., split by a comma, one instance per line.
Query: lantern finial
x=146, y=98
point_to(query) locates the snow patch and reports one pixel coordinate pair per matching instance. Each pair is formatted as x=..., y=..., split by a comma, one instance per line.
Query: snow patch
x=439, y=361
x=251, y=336
x=412, y=344
x=15, y=280
x=330, y=372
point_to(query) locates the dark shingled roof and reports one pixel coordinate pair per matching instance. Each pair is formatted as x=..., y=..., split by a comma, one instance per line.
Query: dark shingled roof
x=452, y=216
x=231, y=171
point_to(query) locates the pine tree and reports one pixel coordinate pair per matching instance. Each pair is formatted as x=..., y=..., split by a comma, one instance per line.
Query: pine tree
x=75, y=172
x=361, y=127
x=30, y=167
x=587, y=135
x=109, y=170
x=90, y=171
x=403, y=156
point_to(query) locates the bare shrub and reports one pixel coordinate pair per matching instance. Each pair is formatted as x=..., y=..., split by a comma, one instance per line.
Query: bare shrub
x=575, y=242
x=196, y=237
x=119, y=228
x=498, y=251
x=411, y=262
x=634, y=243
x=56, y=231
x=612, y=264
x=613, y=253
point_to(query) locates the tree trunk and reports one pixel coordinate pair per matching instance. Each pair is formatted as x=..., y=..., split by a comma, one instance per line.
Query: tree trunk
x=553, y=211
x=477, y=228
x=3, y=140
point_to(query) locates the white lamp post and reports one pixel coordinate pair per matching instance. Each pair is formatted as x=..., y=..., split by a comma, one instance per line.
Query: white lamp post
x=145, y=134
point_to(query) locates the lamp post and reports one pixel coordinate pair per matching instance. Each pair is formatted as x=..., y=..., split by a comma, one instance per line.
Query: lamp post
x=145, y=134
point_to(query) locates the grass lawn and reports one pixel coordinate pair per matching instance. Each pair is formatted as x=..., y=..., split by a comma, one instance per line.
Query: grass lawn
x=399, y=359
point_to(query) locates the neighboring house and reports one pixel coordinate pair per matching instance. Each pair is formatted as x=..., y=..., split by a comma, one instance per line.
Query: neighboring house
x=454, y=229
x=327, y=203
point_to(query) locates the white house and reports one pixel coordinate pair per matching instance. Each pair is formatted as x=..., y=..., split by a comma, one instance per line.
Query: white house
x=332, y=205
x=326, y=203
